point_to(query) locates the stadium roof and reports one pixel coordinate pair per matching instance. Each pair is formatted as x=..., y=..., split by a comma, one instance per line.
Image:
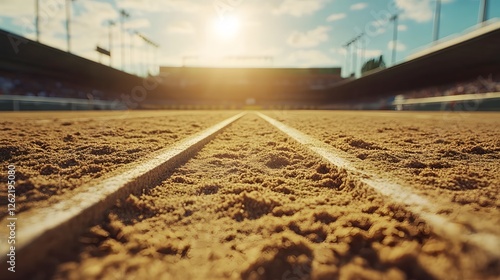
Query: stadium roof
x=21, y=55
x=465, y=57
x=260, y=71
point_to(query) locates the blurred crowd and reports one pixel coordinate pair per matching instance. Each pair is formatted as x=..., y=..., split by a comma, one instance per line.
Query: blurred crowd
x=34, y=85
x=30, y=85
x=482, y=84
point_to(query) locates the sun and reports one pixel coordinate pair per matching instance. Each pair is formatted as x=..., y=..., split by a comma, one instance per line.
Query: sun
x=226, y=27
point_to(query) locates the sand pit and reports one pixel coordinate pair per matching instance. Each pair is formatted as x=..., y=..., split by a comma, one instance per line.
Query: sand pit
x=58, y=153
x=255, y=205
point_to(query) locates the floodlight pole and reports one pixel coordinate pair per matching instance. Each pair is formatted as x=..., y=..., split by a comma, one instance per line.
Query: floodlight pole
x=483, y=11
x=152, y=58
x=157, y=58
x=138, y=55
x=143, y=50
x=394, y=19
x=149, y=59
x=131, y=51
x=123, y=15
x=363, y=48
x=37, y=19
x=349, y=57
x=68, y=19
x=346, y=46
x=355, y=55
x=151, y=55
x=358, y=41
x=110, y=31
x=353, y=58
x=437, y=20
x=145, y=59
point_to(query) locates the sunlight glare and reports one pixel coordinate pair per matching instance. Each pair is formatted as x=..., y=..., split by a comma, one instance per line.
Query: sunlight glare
x=226, y=27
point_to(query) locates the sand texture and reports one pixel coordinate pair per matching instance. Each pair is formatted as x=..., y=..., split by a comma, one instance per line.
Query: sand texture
x=451, y=156
x=56, y=154
x=253, y=204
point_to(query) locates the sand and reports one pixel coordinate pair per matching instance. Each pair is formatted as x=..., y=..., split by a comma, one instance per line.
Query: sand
x=58, y=153
x=253, y=204
x=453, y=156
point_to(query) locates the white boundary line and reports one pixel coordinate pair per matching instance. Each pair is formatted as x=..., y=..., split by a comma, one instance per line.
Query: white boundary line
x=49, y=228
x=487, y=242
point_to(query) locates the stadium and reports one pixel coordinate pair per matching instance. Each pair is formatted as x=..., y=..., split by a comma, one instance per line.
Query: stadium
x=128, y=153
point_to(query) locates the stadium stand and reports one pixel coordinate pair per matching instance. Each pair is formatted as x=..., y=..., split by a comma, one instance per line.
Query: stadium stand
x=241, y=86
x=457, y=66
x=36, y=85
x=464, y=58
x=29, y=68
x=482, y=93
x=488, y=84
x=21, y=56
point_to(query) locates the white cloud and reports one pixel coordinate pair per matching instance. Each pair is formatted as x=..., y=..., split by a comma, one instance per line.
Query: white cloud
x=88, y=18
x=136, y=23
x=399, y=46
x=183, y=27
x=98, y=12
x=252, y=23
x=402, y=27
x=335, y=17
x=310, y=58
x=89, y=27
x=379, y=23
x=310, y=38
x=359, y=6
x=376, y=28
x=418, y=10
x=299, y=8
x=198, y=56
x=341, y=51
x=182, y=6
x=268, y=51
x=18, y=8
x=22, y=13
x=371, y=53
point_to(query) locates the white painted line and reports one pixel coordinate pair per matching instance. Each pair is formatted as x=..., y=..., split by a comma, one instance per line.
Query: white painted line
x=42, y=232
x=417, y=204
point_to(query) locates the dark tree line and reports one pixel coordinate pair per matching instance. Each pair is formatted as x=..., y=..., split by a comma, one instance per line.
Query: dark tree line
x=373, y=63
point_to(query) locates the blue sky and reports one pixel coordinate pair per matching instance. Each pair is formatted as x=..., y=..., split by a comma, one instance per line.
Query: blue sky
x=295, y=33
